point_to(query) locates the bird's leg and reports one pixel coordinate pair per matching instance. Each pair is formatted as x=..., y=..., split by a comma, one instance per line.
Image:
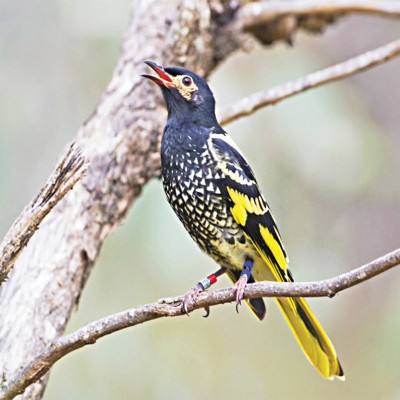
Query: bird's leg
x=191, y=295
x=241, y=283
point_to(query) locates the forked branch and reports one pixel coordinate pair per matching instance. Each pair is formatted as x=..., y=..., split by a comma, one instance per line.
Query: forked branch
x=93, y=331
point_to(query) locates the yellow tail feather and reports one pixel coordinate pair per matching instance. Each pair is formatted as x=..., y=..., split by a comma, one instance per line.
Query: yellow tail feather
x=311, y=337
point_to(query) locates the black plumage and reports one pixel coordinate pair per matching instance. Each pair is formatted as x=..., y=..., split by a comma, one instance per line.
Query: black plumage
x=214, y=193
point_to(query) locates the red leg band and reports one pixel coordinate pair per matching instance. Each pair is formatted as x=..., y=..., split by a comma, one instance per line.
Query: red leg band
x=212, y=278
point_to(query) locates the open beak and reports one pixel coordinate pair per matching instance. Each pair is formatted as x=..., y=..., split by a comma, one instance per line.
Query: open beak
x=163, y=79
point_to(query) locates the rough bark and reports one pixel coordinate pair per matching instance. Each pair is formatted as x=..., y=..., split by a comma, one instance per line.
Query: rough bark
x=120, y=142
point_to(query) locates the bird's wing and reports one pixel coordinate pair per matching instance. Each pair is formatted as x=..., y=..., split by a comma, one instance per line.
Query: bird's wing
x=248, y=206
x=251, y=212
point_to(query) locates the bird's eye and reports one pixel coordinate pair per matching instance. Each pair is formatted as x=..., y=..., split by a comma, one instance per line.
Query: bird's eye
x=187, y=80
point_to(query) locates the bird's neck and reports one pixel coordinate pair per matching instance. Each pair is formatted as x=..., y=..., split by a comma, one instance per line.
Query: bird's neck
x=186, y=136
x=192, y=116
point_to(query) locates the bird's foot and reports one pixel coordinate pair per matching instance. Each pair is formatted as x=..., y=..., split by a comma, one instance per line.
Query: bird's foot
x=238, y=289
x=190, y=296
x=241, y=283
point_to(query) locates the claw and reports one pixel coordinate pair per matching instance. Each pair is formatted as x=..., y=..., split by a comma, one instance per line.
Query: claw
x=238, y=288
x=207, y=310
x=190, y=297
x=237, y=306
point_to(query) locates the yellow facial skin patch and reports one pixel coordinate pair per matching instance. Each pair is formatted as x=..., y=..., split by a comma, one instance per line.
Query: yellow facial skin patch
x=184, y=89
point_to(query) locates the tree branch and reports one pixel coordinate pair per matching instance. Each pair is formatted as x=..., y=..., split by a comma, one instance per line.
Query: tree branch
x=120, y=141
x=93, y=331
x=270, y=21
x=252, y=103
x=259, y=13
x=67, y=173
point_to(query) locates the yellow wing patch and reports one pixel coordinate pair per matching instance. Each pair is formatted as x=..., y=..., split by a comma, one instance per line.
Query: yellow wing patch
x=240, y=214
x=274, y=246
x=244, y=205
x=276, y=249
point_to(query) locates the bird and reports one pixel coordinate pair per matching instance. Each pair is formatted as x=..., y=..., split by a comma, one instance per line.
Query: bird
x=213, y=191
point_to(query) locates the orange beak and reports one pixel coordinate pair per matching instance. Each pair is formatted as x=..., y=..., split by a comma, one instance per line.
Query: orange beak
x=163, y=79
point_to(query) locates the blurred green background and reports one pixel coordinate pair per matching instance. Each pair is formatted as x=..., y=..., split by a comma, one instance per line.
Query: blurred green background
x=327, y=160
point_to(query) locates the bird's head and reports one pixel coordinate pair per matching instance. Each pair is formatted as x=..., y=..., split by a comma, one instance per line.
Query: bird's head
x=185, y=93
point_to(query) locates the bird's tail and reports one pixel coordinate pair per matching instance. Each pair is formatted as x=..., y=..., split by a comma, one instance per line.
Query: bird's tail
x=311, y=337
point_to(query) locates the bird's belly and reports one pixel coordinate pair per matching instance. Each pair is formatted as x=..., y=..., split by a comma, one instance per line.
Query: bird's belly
x=233, y=256
x=208, y=220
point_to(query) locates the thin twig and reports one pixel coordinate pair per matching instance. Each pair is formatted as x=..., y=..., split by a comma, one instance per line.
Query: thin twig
x=261, y=12
x=69, y=170
x=252, y=103
x=93, y=331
